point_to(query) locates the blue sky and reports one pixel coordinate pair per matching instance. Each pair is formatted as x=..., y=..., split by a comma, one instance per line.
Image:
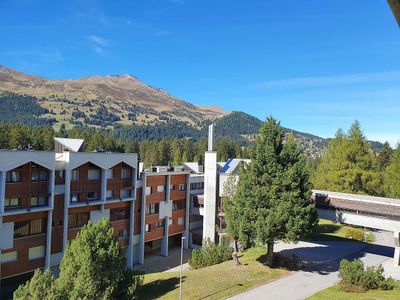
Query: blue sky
x=315, y=65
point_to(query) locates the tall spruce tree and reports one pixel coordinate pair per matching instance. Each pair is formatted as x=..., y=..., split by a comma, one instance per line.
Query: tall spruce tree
x=349, y=165
x=384, y=156
x=274, y=192
x=392, y=176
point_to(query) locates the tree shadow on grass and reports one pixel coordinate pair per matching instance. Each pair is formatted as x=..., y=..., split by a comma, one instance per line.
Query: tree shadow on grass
x=220, y=291
x=158, y=288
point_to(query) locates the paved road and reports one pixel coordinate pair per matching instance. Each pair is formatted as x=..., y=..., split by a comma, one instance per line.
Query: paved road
x=323, y=262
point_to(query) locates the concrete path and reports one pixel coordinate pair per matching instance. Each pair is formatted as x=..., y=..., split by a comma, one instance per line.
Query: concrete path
x=322, y=264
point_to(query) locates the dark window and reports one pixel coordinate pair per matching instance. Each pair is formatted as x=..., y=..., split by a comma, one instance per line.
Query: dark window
x=119, y=214
x=178, y=204
x=181, y=187
x=125, y=173
x=152, y=209
x=13, y=176
x=93, y=195
x=122, y=233
x=78, y=220
x=160, y=224
x=41, y=175
x=197, y=186
x=38, y=201
x=29, y=228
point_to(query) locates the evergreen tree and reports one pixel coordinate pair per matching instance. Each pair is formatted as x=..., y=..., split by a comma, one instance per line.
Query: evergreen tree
x=349, y=165
x=392, y=176
x=384, y=156
x=274, y=192
x=232, y=213
x=39, y=287
x=177, y=161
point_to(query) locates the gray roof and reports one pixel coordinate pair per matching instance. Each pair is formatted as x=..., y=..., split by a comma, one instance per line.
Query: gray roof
x=232, y=165
x=71, y=144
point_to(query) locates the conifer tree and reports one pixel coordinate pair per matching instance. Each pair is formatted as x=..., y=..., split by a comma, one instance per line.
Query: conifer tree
x=392, y=176
x=349, y=165
x=384, y=156
x=274, y=192
x=177, y=161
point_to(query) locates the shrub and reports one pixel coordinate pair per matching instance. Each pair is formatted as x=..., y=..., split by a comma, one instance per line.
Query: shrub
x=355, y=278
x=210, y=254
x=354, y=233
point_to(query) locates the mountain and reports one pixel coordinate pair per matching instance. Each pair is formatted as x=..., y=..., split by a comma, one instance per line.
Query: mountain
x=123, y=98
x=128, y=107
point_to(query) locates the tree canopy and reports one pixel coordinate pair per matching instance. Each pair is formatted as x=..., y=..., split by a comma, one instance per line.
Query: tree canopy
x=273, y=194
x=92, y=268
x=392, y=175
x=349, y=165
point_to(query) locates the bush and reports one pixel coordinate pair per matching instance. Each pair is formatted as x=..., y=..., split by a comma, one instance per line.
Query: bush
x=210, y=254
x=355, y=234
x=355, y=278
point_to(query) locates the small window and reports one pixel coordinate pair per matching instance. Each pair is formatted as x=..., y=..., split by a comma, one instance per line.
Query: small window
x=170, y=221
x=110, y=173
x=109, y=194
x=147, y=228
x=160, y=188
x=39, y=176
x=125, y=173
x=181, y=220
x=160, y=224
x=93, y=195
x=75, y=175
x=38, y=201
x=152, y=209
x=125, y=193
x=148, y=190
x=172, y=187
x=36, y=252
x=11, y=202
x=74, y=197
x=9, y=257
x=122, y=233
x=93, y=174
x=13, y=176
x=181, y=187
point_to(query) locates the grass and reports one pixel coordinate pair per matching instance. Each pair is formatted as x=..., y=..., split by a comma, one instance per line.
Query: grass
x=335, y=292
x=215, y=282
x=330, y=231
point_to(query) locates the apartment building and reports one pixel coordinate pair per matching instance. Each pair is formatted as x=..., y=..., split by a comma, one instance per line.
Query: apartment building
x=46, y=197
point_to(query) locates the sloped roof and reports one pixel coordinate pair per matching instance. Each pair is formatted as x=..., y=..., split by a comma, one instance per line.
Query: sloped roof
x=232, y=164
x=73, y=145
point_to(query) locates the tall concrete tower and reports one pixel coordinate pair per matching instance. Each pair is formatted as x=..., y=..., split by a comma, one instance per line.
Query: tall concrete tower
x=210, y=188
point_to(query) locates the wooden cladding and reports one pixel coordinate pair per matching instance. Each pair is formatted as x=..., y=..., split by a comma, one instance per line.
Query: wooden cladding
x=25, y=182
x=84, y=185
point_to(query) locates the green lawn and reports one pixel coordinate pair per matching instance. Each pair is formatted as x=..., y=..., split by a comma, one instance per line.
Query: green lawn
x=335, y=292
x=213, y=282
x=327, y=230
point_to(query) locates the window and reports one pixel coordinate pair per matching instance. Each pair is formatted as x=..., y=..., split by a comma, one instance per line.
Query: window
x=119, y=214
x=29, y=228
x=9, y=257
x=178, y=204
x=93, y=174
x=126, y=193
x=36, y=252
x=38, y=201
x=125, y=173
x=152, y=209
x=147, y=228
x=181, y=187
x=60, y=174
x=74, y=197
x=110, y=173
x=13, y=176
x=37, y=176
x=160, y=188
x=181, y=220
x=122, y=233
x=93, y=195
x=75, y=175
x=109, y=194
x=197, y=185
x=11, y=202
x=170, y=221
x=160, y=224
x=172, y=187
x=78, y=220
x=149, y=190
